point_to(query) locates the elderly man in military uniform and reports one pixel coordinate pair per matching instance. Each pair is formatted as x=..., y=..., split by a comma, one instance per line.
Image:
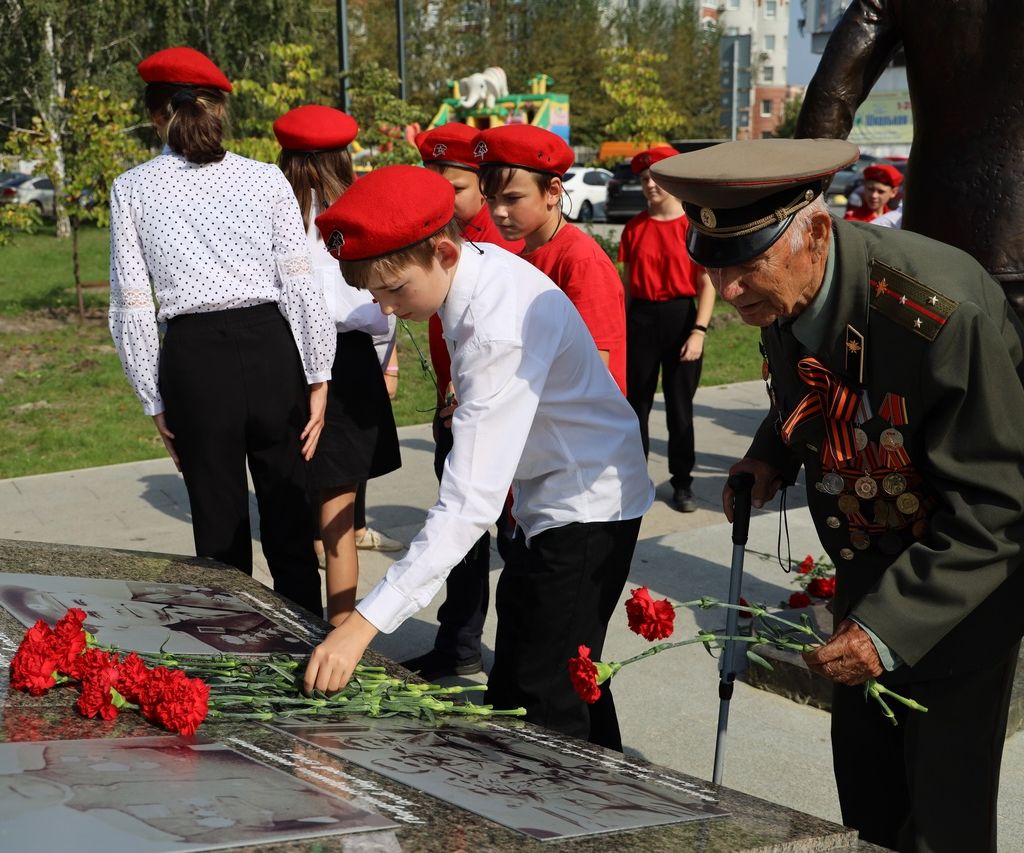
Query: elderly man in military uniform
x=894, y=367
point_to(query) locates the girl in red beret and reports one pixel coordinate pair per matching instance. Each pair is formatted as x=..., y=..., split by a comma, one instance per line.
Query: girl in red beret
x=359, y=440
x=665, y=328
x=218, y=238
x=521, y=168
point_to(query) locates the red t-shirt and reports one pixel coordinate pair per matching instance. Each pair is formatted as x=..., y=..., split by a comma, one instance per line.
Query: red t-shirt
x=579, y=266
x=861, y=214
x=659, y=265
x=480, y=229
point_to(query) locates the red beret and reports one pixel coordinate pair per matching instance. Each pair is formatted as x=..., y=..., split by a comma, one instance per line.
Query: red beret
x=884, y=174
x=315, y=128
x=449, y=145
x=524, y=146
x=388, y=210
x=183, y=65
x=645, y=159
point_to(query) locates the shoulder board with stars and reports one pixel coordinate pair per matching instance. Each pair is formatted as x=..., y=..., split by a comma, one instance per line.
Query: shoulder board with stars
x=908, y=302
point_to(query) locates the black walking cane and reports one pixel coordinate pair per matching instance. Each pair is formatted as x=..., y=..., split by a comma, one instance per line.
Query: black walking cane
x=741, y=484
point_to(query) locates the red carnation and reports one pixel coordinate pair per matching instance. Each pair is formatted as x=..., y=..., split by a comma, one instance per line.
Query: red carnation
x=799, y=599
x=95, y=659
x=584, y=676
x=98, y=684
x=133, y=673
x=806, y=565
x=822, y=587
x=652, y=620
x=745, y=614
x=39, y=634
x=175, y=701
x=33, y=668
x=70, y=642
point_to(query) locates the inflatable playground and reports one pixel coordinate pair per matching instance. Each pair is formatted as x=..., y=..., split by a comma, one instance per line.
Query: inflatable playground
x=482, y=100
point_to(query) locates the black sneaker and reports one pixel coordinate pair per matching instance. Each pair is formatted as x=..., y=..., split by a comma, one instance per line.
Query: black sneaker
x=435, y=664
x=682, y=500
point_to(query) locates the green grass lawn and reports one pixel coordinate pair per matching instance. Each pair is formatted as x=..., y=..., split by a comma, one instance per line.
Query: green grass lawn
x=64, y=400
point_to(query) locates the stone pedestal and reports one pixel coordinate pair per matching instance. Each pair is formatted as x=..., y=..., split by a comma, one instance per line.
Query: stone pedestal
x=425, y=823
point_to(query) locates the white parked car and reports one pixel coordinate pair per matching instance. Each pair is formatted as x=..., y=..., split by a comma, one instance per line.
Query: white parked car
x=37, y=191
x=586, y=189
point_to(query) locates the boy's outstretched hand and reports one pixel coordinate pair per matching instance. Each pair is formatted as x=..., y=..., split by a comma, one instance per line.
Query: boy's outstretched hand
x=335, y=659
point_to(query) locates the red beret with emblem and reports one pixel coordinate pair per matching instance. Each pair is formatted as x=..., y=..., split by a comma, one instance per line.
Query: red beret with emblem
x=645, y=159
x=523, y=146
x=449, y=145
x=315, y=128
x=388, y=210
x=884, y=174
x=185, y=66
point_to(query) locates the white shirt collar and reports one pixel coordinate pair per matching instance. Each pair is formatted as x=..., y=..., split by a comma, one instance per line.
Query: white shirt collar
x=460, y=294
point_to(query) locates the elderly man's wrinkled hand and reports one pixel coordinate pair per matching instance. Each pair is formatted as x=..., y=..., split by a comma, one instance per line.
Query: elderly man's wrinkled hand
x=849, y=657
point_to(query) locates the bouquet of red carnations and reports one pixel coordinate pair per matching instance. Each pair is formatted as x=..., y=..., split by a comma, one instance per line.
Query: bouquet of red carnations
x=655, y=620
x=179, y=692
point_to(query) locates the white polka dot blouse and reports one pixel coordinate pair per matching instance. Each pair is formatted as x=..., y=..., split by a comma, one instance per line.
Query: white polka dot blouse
x=206, y=238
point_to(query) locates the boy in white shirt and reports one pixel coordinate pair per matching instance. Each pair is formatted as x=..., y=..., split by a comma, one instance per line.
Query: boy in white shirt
x=537, y=409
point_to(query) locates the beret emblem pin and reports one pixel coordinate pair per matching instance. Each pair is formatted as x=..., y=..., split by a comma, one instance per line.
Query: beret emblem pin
x=335, y=242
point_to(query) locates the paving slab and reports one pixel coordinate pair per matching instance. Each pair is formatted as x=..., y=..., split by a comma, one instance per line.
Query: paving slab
x=668, y=705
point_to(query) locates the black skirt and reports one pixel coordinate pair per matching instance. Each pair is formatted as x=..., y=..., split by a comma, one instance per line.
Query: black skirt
x=359, y=440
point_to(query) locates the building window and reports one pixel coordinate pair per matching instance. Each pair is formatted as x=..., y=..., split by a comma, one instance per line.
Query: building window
x=732, y=31
x=768, y=74
x=769, y=8
x=734, y=4
x=769, y=42
x=766, y=107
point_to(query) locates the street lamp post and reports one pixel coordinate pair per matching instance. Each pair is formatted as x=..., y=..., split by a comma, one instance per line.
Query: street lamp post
x=400, y=38
x=343, y=52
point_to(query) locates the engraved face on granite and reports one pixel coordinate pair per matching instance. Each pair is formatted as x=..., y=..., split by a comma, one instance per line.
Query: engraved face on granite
x=546, y=790
x=158, y=793
x=146, y=616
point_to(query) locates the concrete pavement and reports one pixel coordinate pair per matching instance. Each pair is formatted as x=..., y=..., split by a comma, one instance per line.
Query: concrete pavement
x=668, y=705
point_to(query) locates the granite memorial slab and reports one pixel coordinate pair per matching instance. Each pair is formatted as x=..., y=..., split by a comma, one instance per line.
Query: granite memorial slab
x=159, y=795
x=545, y=788
x=424, y=820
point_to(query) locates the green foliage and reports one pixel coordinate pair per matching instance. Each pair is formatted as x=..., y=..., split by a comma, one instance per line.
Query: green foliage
x=98, y=146
x=632, y=84
x=15, y=218
x=294, y=80
x=689, y=81
x=382, y=116
x=790, y=113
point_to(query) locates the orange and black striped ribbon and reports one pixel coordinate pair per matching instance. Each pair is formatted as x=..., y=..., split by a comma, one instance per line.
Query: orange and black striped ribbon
x=831, y=399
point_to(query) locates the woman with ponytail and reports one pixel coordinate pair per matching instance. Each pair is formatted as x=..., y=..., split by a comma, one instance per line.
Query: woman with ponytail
x=359, y=440
x=241, y=377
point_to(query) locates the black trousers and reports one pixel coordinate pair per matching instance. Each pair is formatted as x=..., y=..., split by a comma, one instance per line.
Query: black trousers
x=468, y=587
x=234, y=392
x=655, y=333
x=930, y=783
x=559, y=597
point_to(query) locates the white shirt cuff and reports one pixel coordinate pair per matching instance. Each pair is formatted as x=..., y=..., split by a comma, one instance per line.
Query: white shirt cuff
x=322, y=376
x=386, y=608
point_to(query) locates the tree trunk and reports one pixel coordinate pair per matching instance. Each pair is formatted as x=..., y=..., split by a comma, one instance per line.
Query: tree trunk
x=51, y=116
x=78, y=270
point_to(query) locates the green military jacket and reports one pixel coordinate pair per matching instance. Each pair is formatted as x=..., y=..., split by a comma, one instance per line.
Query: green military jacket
x=922, y=326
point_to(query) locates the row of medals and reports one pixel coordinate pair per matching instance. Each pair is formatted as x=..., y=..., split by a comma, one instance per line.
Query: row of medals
x=866, y=487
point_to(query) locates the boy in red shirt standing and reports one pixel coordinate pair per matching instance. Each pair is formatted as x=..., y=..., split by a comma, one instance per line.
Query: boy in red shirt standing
x=881, y=183
x=448, y=150
x=521, y=168
x=665, y=329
